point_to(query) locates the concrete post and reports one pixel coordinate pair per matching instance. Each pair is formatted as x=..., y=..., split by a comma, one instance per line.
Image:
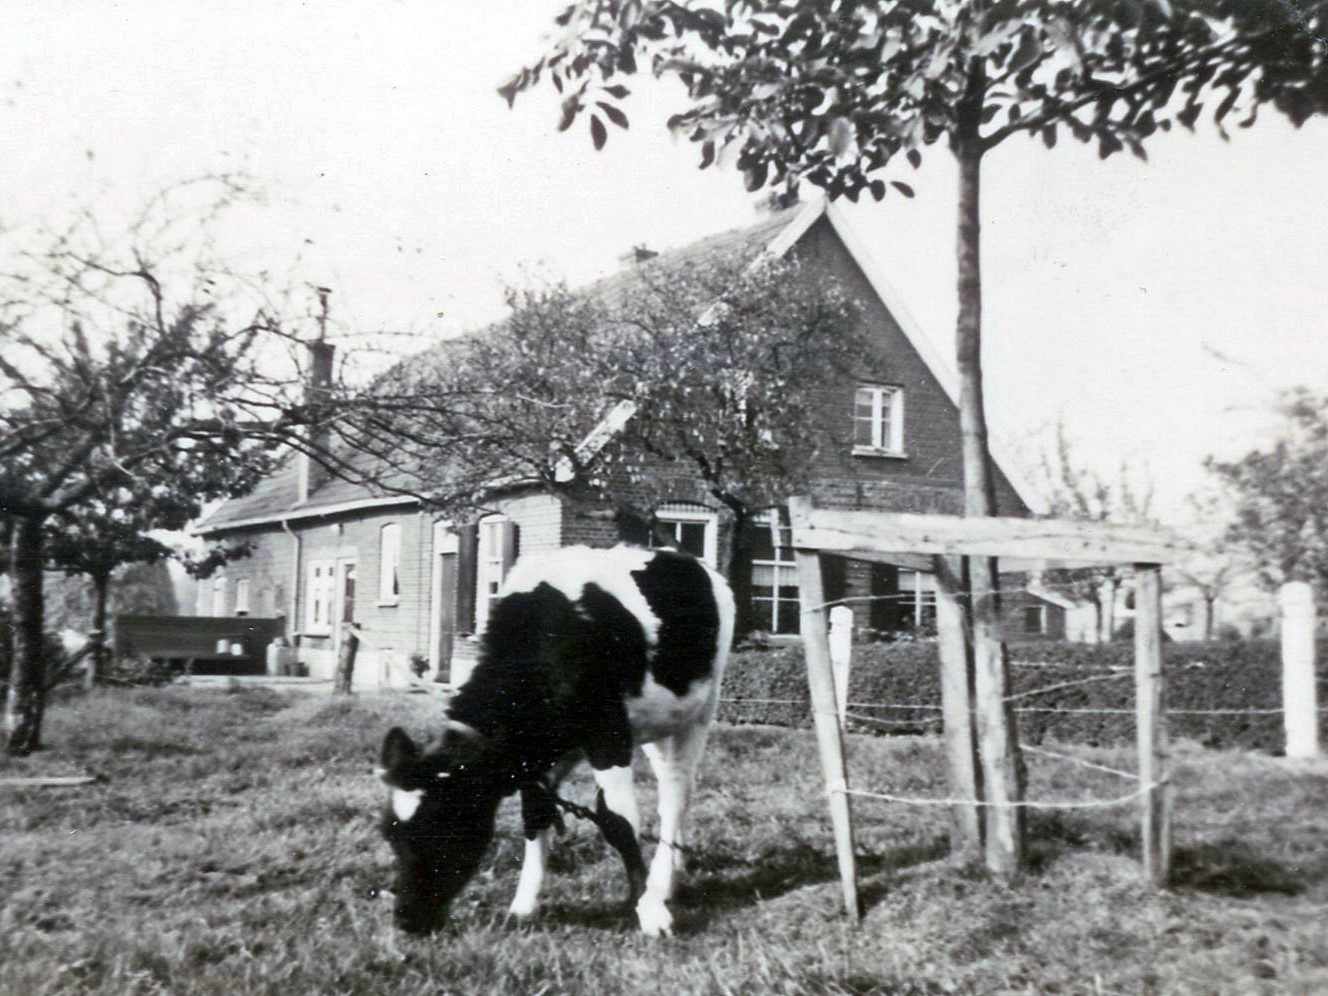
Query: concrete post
x=841, y=656
x=1300, y=710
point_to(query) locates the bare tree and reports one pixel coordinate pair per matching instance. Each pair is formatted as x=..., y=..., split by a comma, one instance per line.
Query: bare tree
x=1077, y=491
x=706, y=369
x=1280, y=496
x=137, y=380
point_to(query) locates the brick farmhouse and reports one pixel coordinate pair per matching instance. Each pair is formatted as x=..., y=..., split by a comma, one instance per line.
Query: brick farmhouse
x=324, y=551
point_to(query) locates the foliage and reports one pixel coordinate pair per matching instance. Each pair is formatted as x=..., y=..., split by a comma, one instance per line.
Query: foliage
x=1281, y=496
x=144, y=588
x=707, y=368
x=1243, y=677
x=832, y=91
x=712, y=363
x=231, y=845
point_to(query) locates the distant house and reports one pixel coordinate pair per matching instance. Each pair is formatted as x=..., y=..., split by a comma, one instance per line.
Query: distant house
x=324, y=551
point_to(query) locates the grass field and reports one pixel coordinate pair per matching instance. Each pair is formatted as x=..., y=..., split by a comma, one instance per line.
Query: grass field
x=232, y=847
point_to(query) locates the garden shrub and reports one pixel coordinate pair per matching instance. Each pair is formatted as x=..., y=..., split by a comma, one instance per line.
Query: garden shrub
x=770, y=686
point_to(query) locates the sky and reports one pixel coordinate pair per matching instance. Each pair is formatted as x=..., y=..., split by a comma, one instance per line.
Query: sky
x=1154, y=309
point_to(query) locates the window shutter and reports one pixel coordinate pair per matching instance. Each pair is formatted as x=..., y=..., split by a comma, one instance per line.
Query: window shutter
x=468, y=538
x=511, y=545
x=834, y=577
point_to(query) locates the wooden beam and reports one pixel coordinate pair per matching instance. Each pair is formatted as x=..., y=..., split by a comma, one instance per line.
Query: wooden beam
x=1150, y=714
x=821, y=683
x=953, y=638
x=850, y=533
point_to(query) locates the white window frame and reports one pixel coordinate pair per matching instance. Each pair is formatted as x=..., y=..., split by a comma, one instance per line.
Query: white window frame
x=779, y=568
x=219, y=595
x=1042, y=621
x=488, y=564
x=242, y=597
x=887, y=413
x=320, y=593
x=922, y=592
x=679, y=512
x=389, y=564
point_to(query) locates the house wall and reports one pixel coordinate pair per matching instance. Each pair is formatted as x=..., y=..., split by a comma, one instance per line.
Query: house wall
x=930, y=477
x=1013, y=605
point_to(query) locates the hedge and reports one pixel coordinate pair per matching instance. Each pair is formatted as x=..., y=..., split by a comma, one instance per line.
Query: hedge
x=770, y=686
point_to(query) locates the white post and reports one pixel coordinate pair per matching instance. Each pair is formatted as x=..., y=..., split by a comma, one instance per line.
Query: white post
x=1300, y=710
x=841, y=656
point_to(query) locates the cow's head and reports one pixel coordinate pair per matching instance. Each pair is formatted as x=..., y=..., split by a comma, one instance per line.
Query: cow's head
x=439, y=820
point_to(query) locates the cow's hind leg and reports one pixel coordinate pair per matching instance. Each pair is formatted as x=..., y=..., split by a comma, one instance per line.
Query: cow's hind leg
x=674, y=760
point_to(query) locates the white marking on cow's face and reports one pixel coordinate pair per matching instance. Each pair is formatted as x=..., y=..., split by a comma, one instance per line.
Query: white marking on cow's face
x=405, y=802
x=572, y=568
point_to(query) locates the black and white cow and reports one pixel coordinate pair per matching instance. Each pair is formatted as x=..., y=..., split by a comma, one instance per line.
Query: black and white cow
x=587, y=653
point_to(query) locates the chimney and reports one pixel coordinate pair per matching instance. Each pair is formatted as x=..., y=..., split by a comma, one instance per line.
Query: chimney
x=637, y=255
x=316, y=389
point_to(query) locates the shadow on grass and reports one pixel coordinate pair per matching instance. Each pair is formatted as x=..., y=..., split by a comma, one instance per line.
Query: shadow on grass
x=1227, y=867
x=720, y=883
x=725, y=883
x=1234, y=869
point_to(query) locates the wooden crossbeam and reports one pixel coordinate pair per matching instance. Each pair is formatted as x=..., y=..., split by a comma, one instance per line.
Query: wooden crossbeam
x=1019, y=543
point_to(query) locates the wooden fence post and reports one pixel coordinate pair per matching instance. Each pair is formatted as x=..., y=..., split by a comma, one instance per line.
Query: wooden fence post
x=841, y=657
x=821, y=684
x=1150, y=712
x=957, y=710
x=1300, y=707
x=350, y=643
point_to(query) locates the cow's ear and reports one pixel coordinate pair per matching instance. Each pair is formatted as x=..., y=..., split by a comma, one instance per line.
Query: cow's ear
x=398, y=749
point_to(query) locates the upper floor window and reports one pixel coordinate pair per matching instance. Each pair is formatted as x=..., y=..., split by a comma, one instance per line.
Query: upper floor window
x=219, y=595
x=389, y=564
x=878, y=420
x=690, y=528
x=242, y=597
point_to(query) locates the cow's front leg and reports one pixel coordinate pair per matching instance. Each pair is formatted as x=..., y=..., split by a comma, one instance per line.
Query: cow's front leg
x=539, y=814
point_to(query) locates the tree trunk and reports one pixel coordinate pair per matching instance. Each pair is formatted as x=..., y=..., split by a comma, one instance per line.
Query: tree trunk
x=740, y=575
x=101, y=590
x=1002, y=764
x=1109, y=610
x=350, y=644
x=27, y=679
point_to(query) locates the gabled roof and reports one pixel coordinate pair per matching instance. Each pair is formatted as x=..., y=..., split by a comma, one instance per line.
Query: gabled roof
x=275, y=499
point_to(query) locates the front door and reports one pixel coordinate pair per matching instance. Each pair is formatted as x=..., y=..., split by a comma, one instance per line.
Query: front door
x=443, y=599
x=447, y=579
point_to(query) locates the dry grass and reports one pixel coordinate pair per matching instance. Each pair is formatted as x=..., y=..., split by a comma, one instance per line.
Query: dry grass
x=232, y=848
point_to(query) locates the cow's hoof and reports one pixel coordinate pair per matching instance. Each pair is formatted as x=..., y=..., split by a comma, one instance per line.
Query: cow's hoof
x=656, y=920
x=521, y=914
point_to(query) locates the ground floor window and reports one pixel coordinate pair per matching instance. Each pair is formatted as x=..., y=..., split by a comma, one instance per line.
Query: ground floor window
x=917, y=601
x=775, y=607
x=1035, y=620
x=690, y=528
